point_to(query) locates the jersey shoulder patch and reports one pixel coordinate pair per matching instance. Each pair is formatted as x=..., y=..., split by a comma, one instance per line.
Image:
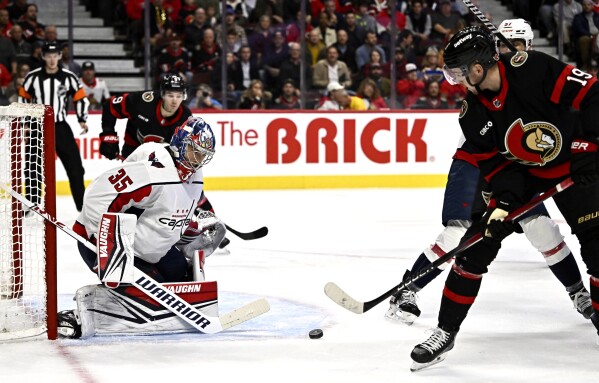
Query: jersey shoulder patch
x=463, y=108
x=148, y=96
x=519, y=58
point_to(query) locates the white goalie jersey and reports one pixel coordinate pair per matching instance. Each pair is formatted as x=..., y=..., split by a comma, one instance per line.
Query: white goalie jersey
x=146, y=184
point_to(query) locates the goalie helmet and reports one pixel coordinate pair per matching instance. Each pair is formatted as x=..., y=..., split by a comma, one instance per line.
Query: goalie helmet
x=517, y=29
x=472, y=45
x=173, y=83
x=193, y=146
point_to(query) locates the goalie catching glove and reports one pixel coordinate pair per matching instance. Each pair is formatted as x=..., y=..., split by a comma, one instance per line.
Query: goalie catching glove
x=205, y=232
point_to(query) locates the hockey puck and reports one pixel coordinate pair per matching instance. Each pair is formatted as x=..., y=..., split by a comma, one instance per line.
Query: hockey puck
x=316, y=334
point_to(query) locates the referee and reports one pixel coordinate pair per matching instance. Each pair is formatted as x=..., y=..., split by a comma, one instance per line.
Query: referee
x=51, y=85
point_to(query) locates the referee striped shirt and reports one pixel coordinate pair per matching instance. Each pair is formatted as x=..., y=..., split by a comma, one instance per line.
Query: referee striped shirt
x=54, y=89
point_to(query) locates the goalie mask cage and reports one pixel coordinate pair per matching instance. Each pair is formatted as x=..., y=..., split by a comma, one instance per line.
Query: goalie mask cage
x=28, y=295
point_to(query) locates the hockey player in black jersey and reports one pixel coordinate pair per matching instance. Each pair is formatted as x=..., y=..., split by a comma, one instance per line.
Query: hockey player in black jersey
x=518, y=124
x=152, y=116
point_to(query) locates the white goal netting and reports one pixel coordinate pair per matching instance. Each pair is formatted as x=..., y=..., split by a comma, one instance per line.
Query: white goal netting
x=23, y=237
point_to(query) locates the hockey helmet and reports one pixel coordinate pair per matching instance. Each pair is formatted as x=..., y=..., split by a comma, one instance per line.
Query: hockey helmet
x=517, y=29
x=471, y=45
x=174, y=83
x=193, y=146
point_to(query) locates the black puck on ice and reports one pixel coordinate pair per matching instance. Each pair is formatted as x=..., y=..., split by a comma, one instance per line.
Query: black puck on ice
x=316, y=334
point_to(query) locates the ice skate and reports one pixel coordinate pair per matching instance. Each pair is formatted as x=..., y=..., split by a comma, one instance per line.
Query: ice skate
x=581, y=300
x=69, y=325
x=433, y=350
x=403, y=307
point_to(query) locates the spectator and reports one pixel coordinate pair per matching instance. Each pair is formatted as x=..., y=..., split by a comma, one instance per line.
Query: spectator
x=355, y=33
x=382, y=82
x=276, y=52
x=272, y=8
x=419, y=22
x=585, y=28
x=291, y=68
x=335, y=19
x=32, y=30
x=432, y=98
x=243, y=71
x=232, y=42
x=261, y=37
x=161, y=27
x=444, y=22
x=203, y=60
x=293, y=28
x=65, y=61
x=288, y=98
x=330, y=70
x=253, y=97
x=22, y=48
x=16, y=10
x=363, y=52
x=314, y=45
x=364, y=19
x=174, y=59
x=186, y=14
x=8, y=56
x=545, y=19
x=50, y=34
x=400, y=63
x=374, y=60
x=5, y=80
x=95, y=88
x=172, y=8
x=430, y=65
x=329, y=101
x=405, y=40
x=571, y=9
x=204, y=99
x=231, y=23
x=35, y=60
x=348, y=102
x=411, y=88
x=327, y=34
x=5, y=24
x=347, y=53
x=194, y=31
x=12, y=91
x=370, y=93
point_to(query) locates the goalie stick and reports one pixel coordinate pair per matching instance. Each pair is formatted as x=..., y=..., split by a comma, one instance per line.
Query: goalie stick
x=343, y=299
x=256, y=234
x=489, y=25
x=158, y=292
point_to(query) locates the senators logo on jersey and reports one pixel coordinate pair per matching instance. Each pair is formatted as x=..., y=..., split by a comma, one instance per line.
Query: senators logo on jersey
x=535, y=143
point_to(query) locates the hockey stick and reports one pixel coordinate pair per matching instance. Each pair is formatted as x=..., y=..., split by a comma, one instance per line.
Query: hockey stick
x=157, y=291
x=256, y=234
x=343, y=299
x=483, y=19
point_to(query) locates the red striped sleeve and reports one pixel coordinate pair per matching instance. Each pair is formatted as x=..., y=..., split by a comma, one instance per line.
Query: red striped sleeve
x=583, y=92
x=462, y=299
x=559, y=85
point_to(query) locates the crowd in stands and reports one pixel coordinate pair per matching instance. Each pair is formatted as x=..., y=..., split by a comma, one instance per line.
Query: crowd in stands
x=347, y=44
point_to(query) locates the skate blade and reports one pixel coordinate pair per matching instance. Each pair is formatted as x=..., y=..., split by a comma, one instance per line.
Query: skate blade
x=403, y=317
x=419, y=366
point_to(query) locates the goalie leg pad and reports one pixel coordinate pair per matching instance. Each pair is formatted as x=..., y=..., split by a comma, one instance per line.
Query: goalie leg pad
x=116, y=236
x=127, y=311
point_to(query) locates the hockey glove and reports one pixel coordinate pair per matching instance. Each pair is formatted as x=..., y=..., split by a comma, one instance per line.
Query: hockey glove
x=496, y=228
x=584, y=165
x=109, y=145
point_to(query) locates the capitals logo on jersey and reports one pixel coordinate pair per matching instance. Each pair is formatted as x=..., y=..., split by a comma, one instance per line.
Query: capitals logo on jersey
x=154, y=161
x=535, y=143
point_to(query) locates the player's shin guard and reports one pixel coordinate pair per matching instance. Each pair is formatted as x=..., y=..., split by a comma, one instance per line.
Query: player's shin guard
x=461, y=289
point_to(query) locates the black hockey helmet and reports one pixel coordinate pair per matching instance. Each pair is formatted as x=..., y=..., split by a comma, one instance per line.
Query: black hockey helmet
x=472, y=45
x=173, y=83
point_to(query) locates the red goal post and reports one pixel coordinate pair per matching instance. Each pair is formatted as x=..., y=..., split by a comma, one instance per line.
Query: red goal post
x=28, y=296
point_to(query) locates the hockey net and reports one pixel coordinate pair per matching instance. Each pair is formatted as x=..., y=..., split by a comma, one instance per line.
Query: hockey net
x=27, y=243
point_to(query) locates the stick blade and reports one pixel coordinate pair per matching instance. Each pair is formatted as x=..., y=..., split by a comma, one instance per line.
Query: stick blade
x=337, y=295
x=244, y=313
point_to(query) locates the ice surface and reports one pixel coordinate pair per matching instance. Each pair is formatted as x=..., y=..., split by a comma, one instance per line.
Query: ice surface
x=522, y=328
